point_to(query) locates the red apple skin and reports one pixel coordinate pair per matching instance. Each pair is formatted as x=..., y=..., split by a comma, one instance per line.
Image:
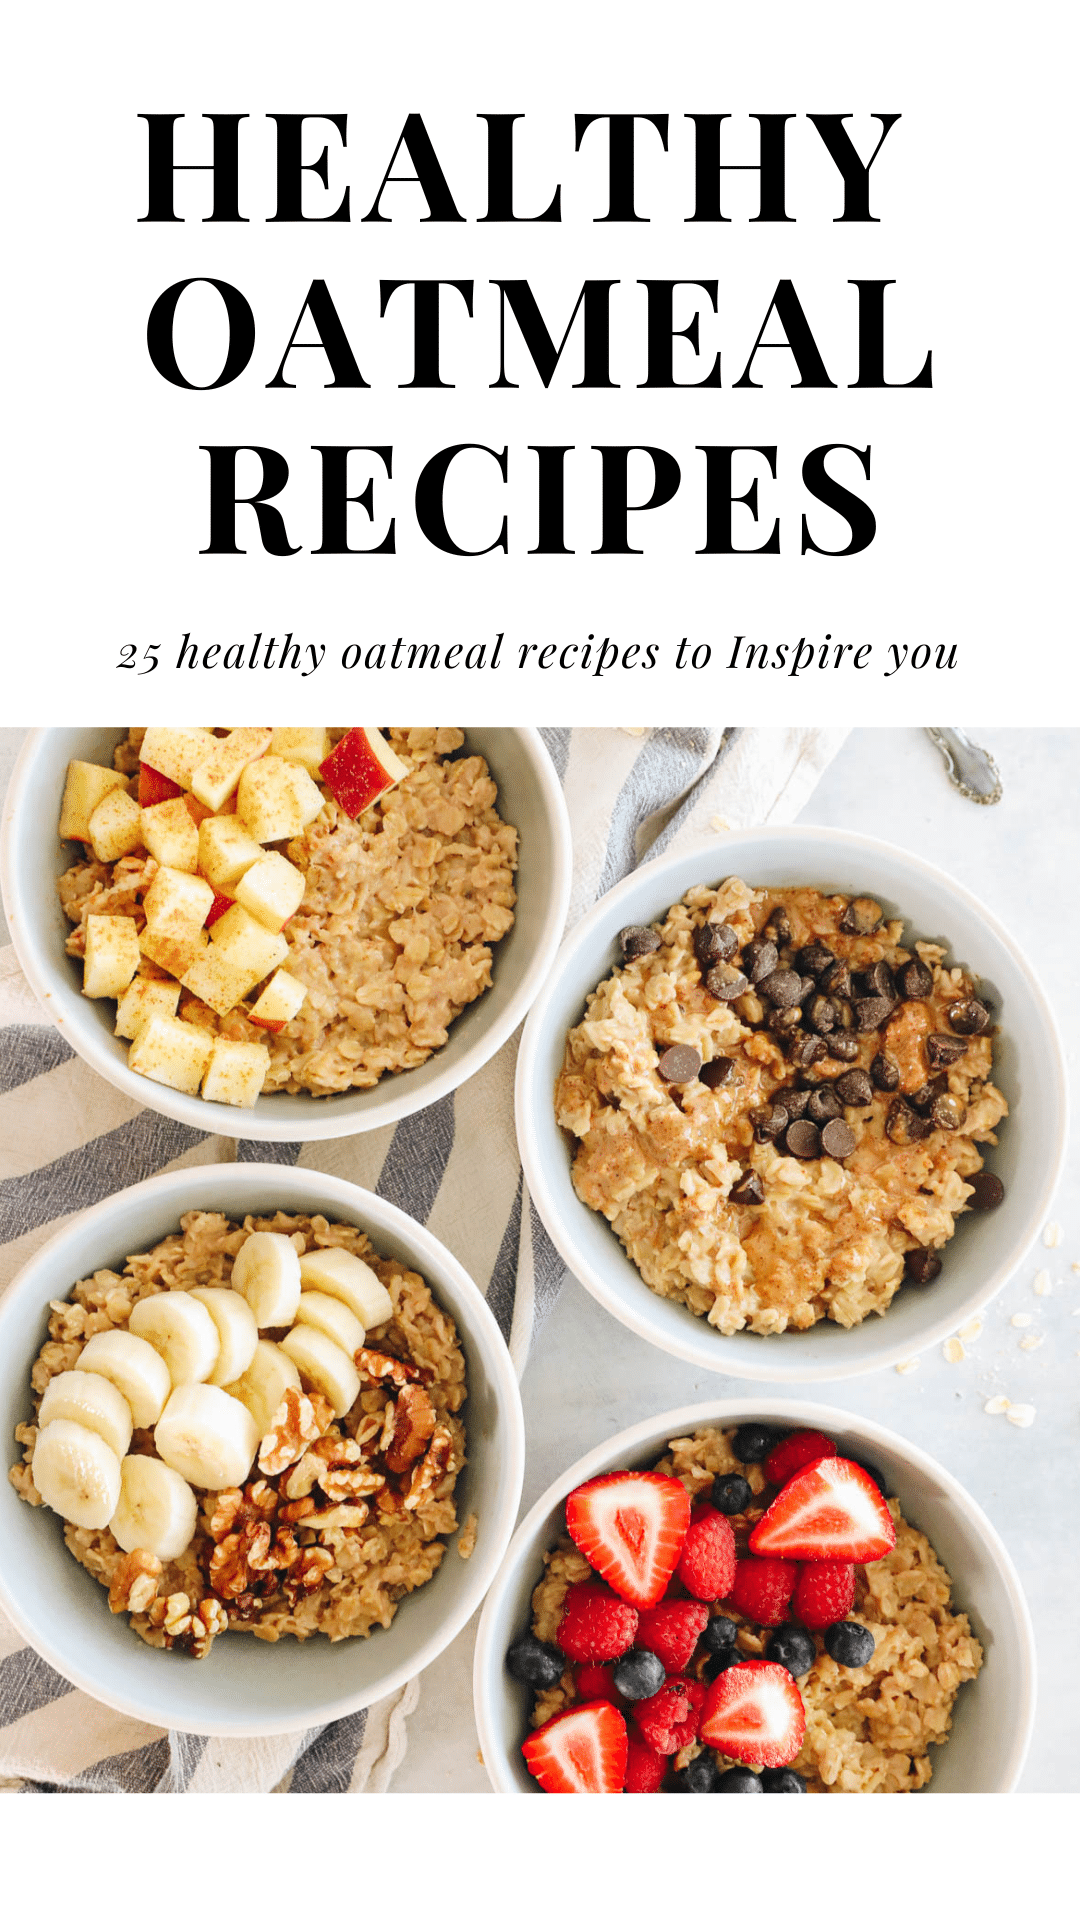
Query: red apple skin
x=271, y=1026
x=154, y=787
x=220, y=904
x=353, y=774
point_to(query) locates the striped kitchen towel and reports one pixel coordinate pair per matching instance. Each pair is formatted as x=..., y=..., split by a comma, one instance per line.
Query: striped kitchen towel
x=68, y=1139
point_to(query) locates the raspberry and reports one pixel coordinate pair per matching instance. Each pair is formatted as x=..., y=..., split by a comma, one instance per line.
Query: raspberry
x=597, y=1683
x=646, y=1770
x=707, y=1563
x=763, y=1589
x=695, y=1693
x=672, y=1630
x=825, y=1594
x=662, y=1719
x=596, y=1624
x=797, y=1450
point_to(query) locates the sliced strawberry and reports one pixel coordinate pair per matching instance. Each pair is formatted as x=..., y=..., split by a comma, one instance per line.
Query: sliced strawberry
x=596, y=1683
x=797, y=1450
x=155, y=787
x=646, y=1771
x=580, y=1751
x=754, y=1713
x=829, y=1511
x=631, y=1528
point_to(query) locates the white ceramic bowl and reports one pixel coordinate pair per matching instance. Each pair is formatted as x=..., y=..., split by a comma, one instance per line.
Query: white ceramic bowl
x=994, y=1713
x=1028, y=1066
x=31, y=856
x=248, y=1687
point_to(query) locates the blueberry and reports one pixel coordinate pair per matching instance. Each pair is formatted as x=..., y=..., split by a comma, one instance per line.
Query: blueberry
x=752, y=1442
x=719, y=1635
x=877, y=1477
x=792, y=1647
x=537, y=1664
x=720, y=1662
x=849, y=1644
x=730, y=1493
x=738, y=1780
x=701, y=1775
x=638, y=1675
x=782, y=1780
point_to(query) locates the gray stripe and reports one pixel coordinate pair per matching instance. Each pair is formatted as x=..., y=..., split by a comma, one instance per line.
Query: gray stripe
x=413, y=1169
x=502, y=1286
x=27, y=1683
x=105, y=1165
x=683, y=811
x=549, y=1270
x=557, y=742
x=185, y=1752
x=669, y=761
x=326, y=1766
x=138, y=1771
x=27, y=1052
x=279, y=1153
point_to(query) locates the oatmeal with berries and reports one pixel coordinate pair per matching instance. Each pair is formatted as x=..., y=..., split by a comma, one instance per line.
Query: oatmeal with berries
x=780, y=1107
x=254, y=1426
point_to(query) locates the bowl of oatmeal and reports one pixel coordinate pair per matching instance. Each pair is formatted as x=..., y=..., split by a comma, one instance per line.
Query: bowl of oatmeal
x=250, y=1552
x=793, y=1107
x=321, y=950
x=931, y=1686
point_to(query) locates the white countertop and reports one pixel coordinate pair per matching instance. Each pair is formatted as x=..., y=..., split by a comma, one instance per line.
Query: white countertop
x=589, y=1377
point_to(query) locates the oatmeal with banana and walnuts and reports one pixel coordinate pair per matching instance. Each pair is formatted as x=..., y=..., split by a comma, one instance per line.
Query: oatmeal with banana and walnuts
x=215, y=1471
x=780, y=1107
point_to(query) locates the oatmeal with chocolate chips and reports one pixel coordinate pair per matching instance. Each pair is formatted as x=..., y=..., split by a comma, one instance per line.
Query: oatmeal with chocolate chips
x=780, y=1107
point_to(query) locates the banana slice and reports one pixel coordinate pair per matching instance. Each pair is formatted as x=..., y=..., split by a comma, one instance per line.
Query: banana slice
x=76, y=1473
x=333, y=1318
x=323, y=1365
x=349, y=1279
x=133, y=1366
x=236, y=1331
x=207, y=1436
x=91, y=1401
x=262, y=1388
x=156, y=1511
x=267, y=1272
x=181, y=1330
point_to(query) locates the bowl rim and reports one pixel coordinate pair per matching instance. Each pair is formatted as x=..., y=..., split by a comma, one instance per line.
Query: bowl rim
x=489, y=1653
x=438, y=1264
x=689, y=1345
x=313, y=1120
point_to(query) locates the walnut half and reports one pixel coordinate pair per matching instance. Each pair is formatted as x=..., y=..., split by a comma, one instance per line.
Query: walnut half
x=135, y=1583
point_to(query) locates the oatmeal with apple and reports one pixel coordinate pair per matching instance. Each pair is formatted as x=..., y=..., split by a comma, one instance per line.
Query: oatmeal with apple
x=287, y=909
x=254, y=1427
x=781, y=1107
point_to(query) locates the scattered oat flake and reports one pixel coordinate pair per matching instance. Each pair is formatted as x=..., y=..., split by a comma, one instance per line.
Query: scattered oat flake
x=719, y=824
x=1030, y=1341
x=999, y=1404
x=1053, y=1234
x=972, y=1330
x=906, y=1366
x=1076, y=1266
x=954, y=1351
x=1020, y=1320
x=634, y=732
x=1019, y=1416
x=1042, y=1282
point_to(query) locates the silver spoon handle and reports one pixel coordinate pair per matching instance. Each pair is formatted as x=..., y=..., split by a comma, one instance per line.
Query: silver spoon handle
x=972, y=770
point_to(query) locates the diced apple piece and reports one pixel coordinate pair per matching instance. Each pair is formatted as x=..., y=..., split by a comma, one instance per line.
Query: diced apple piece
x=112, y=955
x=154, y=787
x=308, y=746
x=281, y=998
x=177, y=901
x=236, y=1072
x=271, y=890
x=84, y=790
x=198, y=812
x=115, y=826
x=246, y=945
x=143, y=999
x=172, y=1052
x=174, y=952
x=308, y=796
x=216, y=776
x=222, y=903
x=170, y=834
x=226, y=851
x=362, y=766
x=176, y=751
x=214, y=980
x=276, y=799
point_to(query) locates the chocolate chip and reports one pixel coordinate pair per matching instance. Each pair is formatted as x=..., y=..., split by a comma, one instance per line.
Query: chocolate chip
x=872, y=1014
x=783, y=1019
x=923, y=1097
x=783, y=988
x=824, y=1105
x=915, y=980
x=747, y=1192
x=904, y=1125
x=725, y=982
x=856, y=1089
x=677, y=1065
x=778, y=926
x=712, y=942
x=875, y=983
x=716, y=1073
x=922, y=1264
x=862, y=915
x=837, y=980
x=769, y=1122
x=635, y=941
x=843, y=1046
x=806, y=1049
x=884, y=1073
x=969, y=1016
x=943, y=1048
x=821, y=1014
x=838, y=1139
x=948, y=1112
x=759, y=959
x=815, y=959
x=803, y=1139
x=988, y=1192
x=796, y=1100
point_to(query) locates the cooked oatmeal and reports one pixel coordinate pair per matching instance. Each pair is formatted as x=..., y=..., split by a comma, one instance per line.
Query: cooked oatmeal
x=868, y=1729
x=754, y=1213
x=257, y=1563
